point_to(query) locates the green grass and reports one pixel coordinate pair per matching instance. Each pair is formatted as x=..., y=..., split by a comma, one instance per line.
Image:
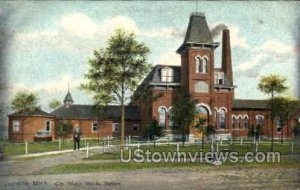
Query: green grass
x=284, y=149
x=11, y=149
x=104, y=167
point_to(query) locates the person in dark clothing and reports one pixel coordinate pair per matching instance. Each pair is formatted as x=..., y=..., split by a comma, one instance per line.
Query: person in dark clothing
x=76, y=137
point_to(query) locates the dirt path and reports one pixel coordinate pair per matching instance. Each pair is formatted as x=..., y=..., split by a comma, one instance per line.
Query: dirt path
x=172, y=179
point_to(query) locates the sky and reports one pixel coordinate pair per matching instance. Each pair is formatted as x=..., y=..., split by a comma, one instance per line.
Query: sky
x=50, y=42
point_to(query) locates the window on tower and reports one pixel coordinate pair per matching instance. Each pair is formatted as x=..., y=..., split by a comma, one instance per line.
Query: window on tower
x=201, y=65
x=219, y=78
x=167, y=74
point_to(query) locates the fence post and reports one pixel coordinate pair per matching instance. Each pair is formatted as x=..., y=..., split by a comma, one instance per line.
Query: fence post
x=59, y=144
x=221, y=141
x=126, y=140
x=256, y=147
x=241, y=141
x=85, y=143
x=292, y=147
x=103, y=146
x=107, y=140
x=138, y=146
x=87, y=150
x=26, y=147
x=217, y=147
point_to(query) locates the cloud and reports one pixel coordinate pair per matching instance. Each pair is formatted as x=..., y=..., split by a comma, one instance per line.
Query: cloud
x=166, y=33
x=236, y=40
x=275, y=47
x=251, y=68
x=79, y=25
x=170, y=58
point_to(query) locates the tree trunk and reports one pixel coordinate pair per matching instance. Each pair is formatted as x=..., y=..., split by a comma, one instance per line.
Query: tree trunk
x=272, y=118
x=122, y=124
x=202, y=141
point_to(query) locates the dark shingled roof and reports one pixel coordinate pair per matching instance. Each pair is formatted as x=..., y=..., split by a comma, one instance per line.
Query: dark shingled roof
x=250, y=104
x=90, y=112
x=197, y=30
x=68, y=98
x=36, y=112
x=155, y=74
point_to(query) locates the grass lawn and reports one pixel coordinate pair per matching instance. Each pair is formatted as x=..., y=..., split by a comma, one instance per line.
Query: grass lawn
x=38, y=147
x=105, y=167
x=284, y=149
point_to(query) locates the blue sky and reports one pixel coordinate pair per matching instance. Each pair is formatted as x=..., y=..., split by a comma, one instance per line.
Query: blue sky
x=52, y=41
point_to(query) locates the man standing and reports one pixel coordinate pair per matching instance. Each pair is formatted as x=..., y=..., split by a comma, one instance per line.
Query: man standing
x=76, y=136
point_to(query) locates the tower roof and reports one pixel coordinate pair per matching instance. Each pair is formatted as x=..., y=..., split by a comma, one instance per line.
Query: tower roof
x=197, y=32
x=68, y=98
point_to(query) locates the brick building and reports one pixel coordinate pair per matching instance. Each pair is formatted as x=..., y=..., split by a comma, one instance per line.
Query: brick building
x=212, y=88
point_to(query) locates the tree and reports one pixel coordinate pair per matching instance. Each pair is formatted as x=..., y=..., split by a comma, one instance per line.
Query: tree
x=25, y=102
x=143, y=96
x=64, y=127
x=183, y=110
x=200, y=124
x=154, y=130
x=283, y=108
x=53, y=104
x=114, y=72
x=272, y=85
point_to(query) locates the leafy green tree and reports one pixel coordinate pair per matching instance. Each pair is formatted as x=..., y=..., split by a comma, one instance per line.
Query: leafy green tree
x=25, y=102
x=272, y=85
x=183, y=110
x=64, y=127
x=200, y=124
x=283, y=108
x=53, y=104
x=143, y=96
x=296, y=130
x=154, y=130
x=114, y=72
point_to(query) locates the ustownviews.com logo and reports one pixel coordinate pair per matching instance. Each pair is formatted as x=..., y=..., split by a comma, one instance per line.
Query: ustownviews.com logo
x=141, y=155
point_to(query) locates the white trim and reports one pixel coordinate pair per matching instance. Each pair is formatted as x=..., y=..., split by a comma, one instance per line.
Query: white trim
x=223, y=109
x=206, y=106
x=168, y=110
x=162, y=107
x=256, y=117
x=246, y=116
x=240, y=116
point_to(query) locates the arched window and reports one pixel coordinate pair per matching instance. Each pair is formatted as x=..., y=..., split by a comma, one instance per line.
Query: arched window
x=202, y=109
x=167, y=74
x=233, y=121
x=162, y=117
x=246, y=121
x=171, y=119
x=201, y=65
x=260, y=120
x=222, y=119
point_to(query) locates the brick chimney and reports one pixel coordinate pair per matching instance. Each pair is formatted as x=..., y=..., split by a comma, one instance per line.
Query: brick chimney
x=226, y=56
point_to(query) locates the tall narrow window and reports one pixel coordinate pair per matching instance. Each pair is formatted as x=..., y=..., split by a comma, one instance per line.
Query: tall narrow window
x=260, y=120
x=245, y=122
x=162, y=117
x=115, y=127
x=222, y=119
x=48, y=126
x=278, y=125
x=94, y=126
x=233, y=121
x=201, y=65
x=16, y=125
x=171, y=120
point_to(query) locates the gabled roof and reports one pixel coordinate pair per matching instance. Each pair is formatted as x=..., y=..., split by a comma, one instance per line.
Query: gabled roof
x=250, y=104
x=36, y=112
x=90, y=112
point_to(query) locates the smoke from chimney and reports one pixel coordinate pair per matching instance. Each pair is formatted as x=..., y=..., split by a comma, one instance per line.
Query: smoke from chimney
x=217, y=29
